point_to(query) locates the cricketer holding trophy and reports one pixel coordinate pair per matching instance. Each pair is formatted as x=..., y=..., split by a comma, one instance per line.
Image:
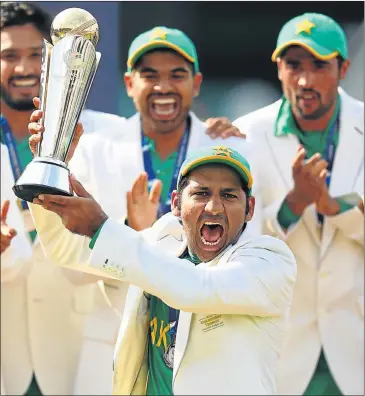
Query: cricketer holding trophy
x=68, y=70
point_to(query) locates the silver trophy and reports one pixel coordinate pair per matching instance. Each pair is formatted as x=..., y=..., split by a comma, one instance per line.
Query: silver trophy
x=68, y=70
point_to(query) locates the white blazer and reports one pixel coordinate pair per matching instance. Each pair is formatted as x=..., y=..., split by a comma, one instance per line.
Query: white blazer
x=107, y=161
x=328, y=305
x=41, y=325
x=245, y=292
x=20, y=250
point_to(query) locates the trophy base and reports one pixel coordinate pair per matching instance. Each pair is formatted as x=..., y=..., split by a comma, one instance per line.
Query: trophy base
x=43, y=176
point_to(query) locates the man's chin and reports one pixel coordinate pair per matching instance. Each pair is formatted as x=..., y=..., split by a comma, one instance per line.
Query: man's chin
x=21, y=105
x=166, y=126
x=207, y=253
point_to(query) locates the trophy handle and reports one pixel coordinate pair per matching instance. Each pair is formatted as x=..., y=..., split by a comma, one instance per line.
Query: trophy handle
x=46, y=59
x=97, y=61
x=84, y=99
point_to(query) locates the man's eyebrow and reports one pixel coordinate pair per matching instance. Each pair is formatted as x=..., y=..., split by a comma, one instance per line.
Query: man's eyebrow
x=179, y=70
x=321, y=61
x=230, y=189
x=148, y=70
x=199, y=187
x=19, y=49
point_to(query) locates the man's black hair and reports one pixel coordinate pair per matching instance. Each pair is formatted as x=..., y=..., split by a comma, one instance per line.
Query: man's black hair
x=14, y=13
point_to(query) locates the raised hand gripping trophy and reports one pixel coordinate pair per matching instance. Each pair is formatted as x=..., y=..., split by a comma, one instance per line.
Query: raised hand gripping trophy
x=68, y=70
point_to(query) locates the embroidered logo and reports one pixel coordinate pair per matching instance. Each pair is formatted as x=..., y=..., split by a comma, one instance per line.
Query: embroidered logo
x=211, y=322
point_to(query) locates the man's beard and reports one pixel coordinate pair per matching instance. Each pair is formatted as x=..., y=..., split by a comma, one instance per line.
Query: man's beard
x=16, y=104
x=317, y=114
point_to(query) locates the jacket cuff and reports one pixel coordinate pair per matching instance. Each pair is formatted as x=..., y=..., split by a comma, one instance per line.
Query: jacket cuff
x=96, y=235
x=286, y=217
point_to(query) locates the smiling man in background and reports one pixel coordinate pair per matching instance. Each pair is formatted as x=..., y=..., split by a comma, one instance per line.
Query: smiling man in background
x=41, y=324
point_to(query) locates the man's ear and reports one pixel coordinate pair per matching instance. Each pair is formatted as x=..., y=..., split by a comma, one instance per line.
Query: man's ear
x=251, y=208
x=344, y=69
x=128, y=83
x=279, y=64
x=175, y=205
x=198, y=78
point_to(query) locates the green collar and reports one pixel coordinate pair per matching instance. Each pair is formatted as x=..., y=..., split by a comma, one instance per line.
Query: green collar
x=285, y=121
x=191, y=257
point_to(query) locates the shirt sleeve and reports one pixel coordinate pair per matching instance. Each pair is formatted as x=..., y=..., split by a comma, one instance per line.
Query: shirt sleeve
x=286, y=217
x=258, y=280
x=345, y=206
x=95, y=237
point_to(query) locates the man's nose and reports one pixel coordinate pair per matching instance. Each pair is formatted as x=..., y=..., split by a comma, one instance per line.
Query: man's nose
x=306, y=80
x=26, y=67
x=163, y=86
x=214, y=206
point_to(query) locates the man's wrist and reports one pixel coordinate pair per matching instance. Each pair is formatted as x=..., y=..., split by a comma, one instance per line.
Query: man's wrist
x=332, y=208
x=296, y=203
x=328, y=206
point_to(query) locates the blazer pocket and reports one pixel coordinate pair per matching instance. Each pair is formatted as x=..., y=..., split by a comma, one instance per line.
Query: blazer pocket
x=360, y=305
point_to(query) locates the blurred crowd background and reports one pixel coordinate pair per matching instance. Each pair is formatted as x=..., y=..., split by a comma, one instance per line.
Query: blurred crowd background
x=234, y=41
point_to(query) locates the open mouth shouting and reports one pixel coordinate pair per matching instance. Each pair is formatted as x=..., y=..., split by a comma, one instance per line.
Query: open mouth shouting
x=212, y=235
x=164, y=108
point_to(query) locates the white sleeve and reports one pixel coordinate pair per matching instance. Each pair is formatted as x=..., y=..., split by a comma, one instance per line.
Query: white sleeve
x=258, y=280
x=19, y=252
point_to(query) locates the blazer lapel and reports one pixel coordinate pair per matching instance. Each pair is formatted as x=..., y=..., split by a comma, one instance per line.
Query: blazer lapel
x=349, y=160
x=197, y=130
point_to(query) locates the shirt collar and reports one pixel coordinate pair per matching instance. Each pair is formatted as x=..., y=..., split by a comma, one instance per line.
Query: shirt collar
x=285, y=122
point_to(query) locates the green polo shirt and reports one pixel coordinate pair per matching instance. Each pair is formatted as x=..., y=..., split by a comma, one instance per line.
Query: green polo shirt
x=313, y=142
x=164, y=169
x=161, y=344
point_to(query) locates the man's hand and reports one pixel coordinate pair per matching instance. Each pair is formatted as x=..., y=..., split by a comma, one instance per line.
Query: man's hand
x=7, y=233
x=223, y=128
x=36, y=130
x=142, y=207
x=80, y=214
x=309, y=177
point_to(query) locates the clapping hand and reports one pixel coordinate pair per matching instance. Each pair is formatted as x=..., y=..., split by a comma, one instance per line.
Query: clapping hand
x=7, y=233
x=142, y=206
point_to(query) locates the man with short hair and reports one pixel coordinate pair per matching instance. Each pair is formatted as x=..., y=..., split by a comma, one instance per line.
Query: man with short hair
x=130, y=166
x=309, y=148
x=41, y=310
x=209, y=320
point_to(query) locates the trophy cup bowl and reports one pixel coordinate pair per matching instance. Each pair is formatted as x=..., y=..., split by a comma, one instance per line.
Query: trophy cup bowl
x=68, y=70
